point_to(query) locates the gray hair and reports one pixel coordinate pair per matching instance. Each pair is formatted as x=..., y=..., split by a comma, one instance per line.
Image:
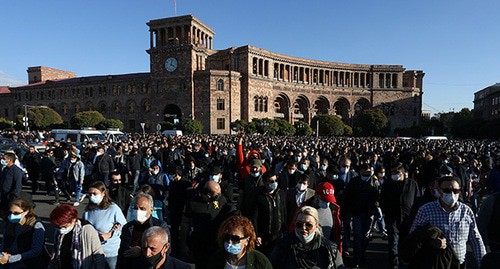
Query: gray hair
x=155, y=231
x=147, y=196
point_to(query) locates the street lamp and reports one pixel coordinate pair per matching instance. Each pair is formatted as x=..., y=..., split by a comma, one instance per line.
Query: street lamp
x=25, y=118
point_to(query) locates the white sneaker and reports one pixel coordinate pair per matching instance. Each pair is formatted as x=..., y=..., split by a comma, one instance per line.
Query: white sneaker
x=76, y=204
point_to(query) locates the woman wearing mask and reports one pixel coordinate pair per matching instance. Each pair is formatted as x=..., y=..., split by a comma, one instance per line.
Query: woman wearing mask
x=24, y=238
x=306, y=247
x=75, y=174
x=107, y=218
x=76, y=243
x=237, y=237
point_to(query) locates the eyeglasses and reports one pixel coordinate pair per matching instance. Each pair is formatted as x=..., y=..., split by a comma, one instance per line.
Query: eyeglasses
x=233, y=238
x=450, y=190
x=300, y=225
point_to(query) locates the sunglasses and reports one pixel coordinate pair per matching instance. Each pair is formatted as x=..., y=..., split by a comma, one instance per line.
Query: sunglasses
x=450, y=190
x=300, y=225
x=233, y=238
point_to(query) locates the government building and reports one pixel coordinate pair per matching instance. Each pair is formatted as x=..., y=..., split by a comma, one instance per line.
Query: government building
x=188, y=78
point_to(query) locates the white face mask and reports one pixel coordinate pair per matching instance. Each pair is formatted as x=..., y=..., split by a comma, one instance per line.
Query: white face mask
x=215, y=178
x=450, y=198
x=291, y=171
x=155, y=172
x=301, y=187
x=344, y=170
x=140, y=215
x=96, y=199
x=65, y=230
x=303, y=167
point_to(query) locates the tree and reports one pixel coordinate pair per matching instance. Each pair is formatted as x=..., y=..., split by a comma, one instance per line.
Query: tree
x=5, y=123
x=190, y=126
x=329, y=125
x=462, y=124
x=41, y=117
x=265, y=126
x=86, y=119
x=285, y=128
x=111, y=123
x=302, y=128
x=371, y=122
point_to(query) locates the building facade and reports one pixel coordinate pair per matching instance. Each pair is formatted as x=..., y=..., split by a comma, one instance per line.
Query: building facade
x=188, y=78
x=487, y=103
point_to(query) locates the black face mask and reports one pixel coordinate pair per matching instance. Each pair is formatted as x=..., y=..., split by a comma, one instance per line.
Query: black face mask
x=155, y=259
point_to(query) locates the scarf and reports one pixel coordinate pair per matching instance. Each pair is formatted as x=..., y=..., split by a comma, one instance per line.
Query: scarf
x=76, y=245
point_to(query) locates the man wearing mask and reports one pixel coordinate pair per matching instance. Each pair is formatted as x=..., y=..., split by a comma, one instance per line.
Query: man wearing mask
x=216, y=175
x=345, y=175
x=130, y=245
x=134, y=161
x=103, y=165
x=455, y=219
x=289, y=176
x=11, y=180
x=31, y=161
x=119, y=193
x=361, y=197
x=270, y=213
x=297, y=197
x=249, y=186
x=202, y=218
x=155, y=247
x=158, y=180
x=396, y=200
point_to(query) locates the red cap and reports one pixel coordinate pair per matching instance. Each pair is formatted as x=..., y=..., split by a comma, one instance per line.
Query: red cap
x=326, y=191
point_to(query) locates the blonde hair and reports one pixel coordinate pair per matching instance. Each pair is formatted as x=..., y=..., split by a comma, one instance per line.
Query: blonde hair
x=310, y=211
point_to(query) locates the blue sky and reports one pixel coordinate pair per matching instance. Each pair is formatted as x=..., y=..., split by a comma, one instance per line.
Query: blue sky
x=455, y=42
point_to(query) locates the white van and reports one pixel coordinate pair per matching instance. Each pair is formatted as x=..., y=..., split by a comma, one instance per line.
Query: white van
x=172, y=132
x=77, y=136
x=114, y=135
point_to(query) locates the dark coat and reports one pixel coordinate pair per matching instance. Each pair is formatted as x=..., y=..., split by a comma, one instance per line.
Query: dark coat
x=397, y=198
x=290, y=253
x=126, y=239
x=11, y=180
x=361, y=197
x=417, y=251
x=269, y=218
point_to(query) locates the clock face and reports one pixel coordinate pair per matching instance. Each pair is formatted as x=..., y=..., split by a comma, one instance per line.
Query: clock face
x=171, y=64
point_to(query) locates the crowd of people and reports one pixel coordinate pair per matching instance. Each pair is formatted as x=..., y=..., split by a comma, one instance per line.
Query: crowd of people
x=238, y=201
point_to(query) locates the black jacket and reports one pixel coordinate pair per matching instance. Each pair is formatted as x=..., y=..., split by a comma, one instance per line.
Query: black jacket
x=126, y=239
x=361, y=197
x=104, y=164
x=290, y=253
x=269, y=218
x=397, y=198
x=417, y=251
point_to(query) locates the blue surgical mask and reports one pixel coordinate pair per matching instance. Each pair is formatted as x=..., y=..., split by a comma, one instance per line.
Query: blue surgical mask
x=365, y=178
x=233, y=249
x=306, y=239
x=15, y=218
x=215, y=178
x=4, y=163
x=303, y=167
x=323, y=167
x=256, y=174
x=273, y=186
x=96, y=199
x=323, y=204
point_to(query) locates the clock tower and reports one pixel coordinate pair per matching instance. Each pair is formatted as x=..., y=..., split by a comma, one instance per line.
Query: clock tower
x=179, y=46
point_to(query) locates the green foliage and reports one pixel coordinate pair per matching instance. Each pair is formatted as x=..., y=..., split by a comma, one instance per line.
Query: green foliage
x=41, y=118
x=303, y=129
x=371, y=122
x=111, y=123
x=285, y=128
x=247, y=127
x=190, y=126
x=5, y=123
x=86, y=119
x=329, y=125
x=347, y=130
x=461, y=124
x=266, y=126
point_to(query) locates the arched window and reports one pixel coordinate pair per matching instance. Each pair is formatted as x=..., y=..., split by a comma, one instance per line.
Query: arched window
x=220, y=85
x=256, y=103
x=147, y=106
x=265, y=104
x=261, y=104
x=103, y=108
x=131, y=107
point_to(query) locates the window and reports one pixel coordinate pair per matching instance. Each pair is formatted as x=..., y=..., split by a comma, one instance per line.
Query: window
x=221, y=123
x=220, y=104
x=220, y=85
